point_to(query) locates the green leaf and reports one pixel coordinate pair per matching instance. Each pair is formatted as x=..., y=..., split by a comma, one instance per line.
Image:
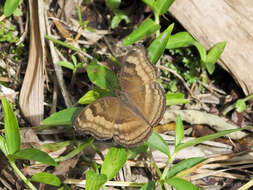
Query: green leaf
x=181, y=184
x=213, y=55
x=94, y=181
x=162, y=6
x=157, y=142
x=3, y=145
x=102, y=77
x=185, y=164
x=113, y=4
x=150, y=3
x=179, y=40
x=179, y=133
x=55, y=146
x=205, y=138
x=119, y=16
x=10, y=6
x=148, y=186
x=175, y=98
x=146, y=28
x=11, y=128
x=240, y=105
x=114, y=161
x=201, y=50
x=46, y=178
x=133, y=152
x=157, y=47
x=93, y=95
x=64, y=117
x=67, y=65
x=36, y=155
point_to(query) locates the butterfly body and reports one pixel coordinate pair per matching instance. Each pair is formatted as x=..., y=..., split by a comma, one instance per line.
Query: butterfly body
x=129, y=117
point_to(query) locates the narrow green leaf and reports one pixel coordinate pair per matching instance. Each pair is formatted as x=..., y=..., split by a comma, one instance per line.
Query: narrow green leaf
x=206, y=138
x=157, y=142
x=94, y=181
x=102, y=77
x=10, y=6
x=146, y=28
x=119, y=16
x=157, y=47
x=3, y=146
x=240, y=105
x=67, y=65
x=93, y=95
x=148, y=186
x=36, y=155
x=201, y=50
x=175, y=98
x=179, y=133
x=150, y=3
x=179, y=40
x=56, y=146
x=181, y=184
x=162, y=6
x=11, y=128
x=114, y=161
x=185, y=164
x=213, y=55
x=46, y=178
x=64, y=117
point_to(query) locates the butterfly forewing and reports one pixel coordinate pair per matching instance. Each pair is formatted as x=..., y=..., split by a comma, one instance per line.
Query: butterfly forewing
x=136, y=70
x=98, y=118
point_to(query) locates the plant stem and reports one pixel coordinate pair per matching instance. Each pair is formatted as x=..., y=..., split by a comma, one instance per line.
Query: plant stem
x=27, y=182
x=157, y=21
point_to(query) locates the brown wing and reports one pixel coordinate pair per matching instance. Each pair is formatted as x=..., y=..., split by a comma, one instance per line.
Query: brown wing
x=130, y=129
x=150, y=101
x=98, y=118
x=136, y=70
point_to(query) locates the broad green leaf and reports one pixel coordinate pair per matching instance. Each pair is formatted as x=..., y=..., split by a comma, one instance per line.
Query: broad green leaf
x=3, y=145
x=240, y=105
x=181, y=184
x=180, y=39
x=179, y=133
x=113, y=4
x=148, y=186
x=114, y=161
x=205, y=138
x=201, y=50
x=157, y=47
x=119, y=16
x=93, y=95
x=10, y=6
x=133, y=152
x=185, y=164
x=102, y=77
x=94, y=181
x=36, y=155
x=46, y=178
x=146, y=28
x=150, y=3
x=67, y=64
x=162, y=6
x=64, y=117
x=11, y=128
x=175, y=98
x=157, y=142
x=213, y=55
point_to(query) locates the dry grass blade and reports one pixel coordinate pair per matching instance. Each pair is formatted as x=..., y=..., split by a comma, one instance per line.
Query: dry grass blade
x=31, y=96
